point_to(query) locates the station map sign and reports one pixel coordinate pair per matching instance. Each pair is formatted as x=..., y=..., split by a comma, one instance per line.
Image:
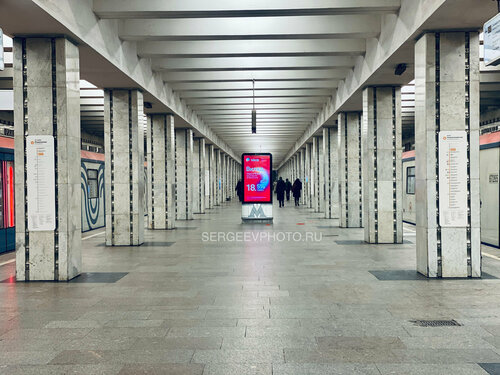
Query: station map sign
x=41, y=182
x=257, y=169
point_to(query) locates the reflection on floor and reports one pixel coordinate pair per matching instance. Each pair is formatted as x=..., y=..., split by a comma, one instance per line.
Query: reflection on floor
x=228, y=298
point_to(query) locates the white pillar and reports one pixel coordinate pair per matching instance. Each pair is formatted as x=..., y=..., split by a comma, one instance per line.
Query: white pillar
x=218, y=177
x=309, y=176
x=350, y=170
x=161, y=171
x=382, y=150
x=331, y=172
x=199, y=176
x=447, y=100
x=184, y=173
x=124, y=145
x=48, y=104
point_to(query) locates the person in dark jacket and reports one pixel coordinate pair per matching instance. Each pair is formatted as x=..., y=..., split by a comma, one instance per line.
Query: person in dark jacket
x=239, y=190
x=297, y=191
x=280, y=191
x=288, y=185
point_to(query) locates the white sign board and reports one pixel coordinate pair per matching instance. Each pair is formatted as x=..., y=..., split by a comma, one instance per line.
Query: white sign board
x=207, y=183
x=491, y=34
x=2, y=65
x=453, y=179
x=41, y=182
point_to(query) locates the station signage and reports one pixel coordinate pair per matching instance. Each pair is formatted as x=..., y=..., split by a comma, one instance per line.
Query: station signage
x=2, y=65
x=491, y=32
x=40, y=178
x=453, y=178
x=257, y=178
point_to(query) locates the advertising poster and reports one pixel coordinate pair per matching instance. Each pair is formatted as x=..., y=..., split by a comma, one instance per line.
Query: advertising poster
x=257, y=178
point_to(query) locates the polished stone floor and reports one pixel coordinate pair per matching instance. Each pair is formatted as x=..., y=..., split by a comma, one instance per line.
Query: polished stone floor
x=195, y=301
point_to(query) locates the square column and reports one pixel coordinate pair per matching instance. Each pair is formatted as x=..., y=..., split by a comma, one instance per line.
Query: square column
x=318, y=180
x=308, y=177
x=199, y=176
x=218, y=177
x=447, y=154
x=382, y=184
x=184, y=174
x=161, y=171
x=331, y=172
x=211, y=168
x=47, y=133
x=224, y=177
x=303, y=175
x=350, y=171
x=124, y=145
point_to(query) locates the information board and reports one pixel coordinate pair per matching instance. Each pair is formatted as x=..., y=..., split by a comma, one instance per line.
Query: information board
x=453, y=179
x=491, y=34
x=2, y=65
x=40, y=177
x=257, y=178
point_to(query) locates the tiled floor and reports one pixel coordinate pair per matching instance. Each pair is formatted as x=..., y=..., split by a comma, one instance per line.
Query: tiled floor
x=271, y=306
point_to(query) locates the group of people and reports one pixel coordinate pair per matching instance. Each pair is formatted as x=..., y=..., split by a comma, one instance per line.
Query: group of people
x=281, y=188
x=285, y=187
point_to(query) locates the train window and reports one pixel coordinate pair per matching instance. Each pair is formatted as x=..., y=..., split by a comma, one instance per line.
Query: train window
x=410, y=180
x=92, y=180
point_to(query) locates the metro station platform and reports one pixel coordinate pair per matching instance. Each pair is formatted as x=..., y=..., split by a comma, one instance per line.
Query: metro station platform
x=182, y=304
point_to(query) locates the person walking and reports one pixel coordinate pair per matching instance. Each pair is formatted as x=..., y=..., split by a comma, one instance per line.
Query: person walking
x=297, y=191
x=280, y=191
x=239, y=190
x=288, y=185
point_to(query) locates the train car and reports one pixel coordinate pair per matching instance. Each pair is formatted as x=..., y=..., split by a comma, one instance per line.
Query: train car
x=489, y=158
x=92, y=185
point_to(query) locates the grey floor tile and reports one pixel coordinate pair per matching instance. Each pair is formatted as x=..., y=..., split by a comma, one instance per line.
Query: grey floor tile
x=237, y=368
x=169, y=369
x=324, y=369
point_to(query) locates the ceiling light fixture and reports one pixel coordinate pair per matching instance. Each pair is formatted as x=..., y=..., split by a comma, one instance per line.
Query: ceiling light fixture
x=254, y=112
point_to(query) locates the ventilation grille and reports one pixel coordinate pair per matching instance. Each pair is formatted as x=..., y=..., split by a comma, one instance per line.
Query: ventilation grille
x=436, y=323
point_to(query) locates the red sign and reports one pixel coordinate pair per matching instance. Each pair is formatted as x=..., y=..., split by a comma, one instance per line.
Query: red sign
x=257, y=178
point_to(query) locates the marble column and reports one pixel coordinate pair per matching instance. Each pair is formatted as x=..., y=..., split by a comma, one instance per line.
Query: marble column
x=124, y=145
x=184, y=174
x=161, y=171
x=47, y=104
x=218, y=177
x=331, y=172
x=309, y=175
x=199, y=176
x=350, y=170
x=209, y=193
x=446, y=111
x=382, y=150
x=302, y=175
x=318, y=178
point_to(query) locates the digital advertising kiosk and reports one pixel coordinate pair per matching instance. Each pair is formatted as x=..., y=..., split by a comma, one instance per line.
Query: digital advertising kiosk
x=257, y=188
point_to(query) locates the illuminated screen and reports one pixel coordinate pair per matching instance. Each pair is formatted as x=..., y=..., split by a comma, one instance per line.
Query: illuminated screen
x=257, y=178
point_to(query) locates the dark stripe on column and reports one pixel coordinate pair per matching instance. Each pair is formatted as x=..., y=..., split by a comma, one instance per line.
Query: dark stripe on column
x=360, y=170
x=186, y=172
x=346, y=172
x=375, y=156
x=167, y=177
x=130, y=170
x=467, y=128
x=152, y=167
x=437, y=130
x=25, y=134
x=394, y=166
x=56, y=154
x=112, y=153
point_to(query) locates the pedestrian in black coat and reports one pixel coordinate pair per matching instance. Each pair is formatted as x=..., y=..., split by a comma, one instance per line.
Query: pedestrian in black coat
x=297, y=190
x=239, y=190
x=288, y=185
x=280, y=191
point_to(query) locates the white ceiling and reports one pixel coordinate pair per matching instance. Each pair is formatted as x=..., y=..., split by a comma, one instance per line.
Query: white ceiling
x=211, y=52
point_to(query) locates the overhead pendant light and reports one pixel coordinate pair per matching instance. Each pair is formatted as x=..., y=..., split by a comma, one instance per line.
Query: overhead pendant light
x=254, y=112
